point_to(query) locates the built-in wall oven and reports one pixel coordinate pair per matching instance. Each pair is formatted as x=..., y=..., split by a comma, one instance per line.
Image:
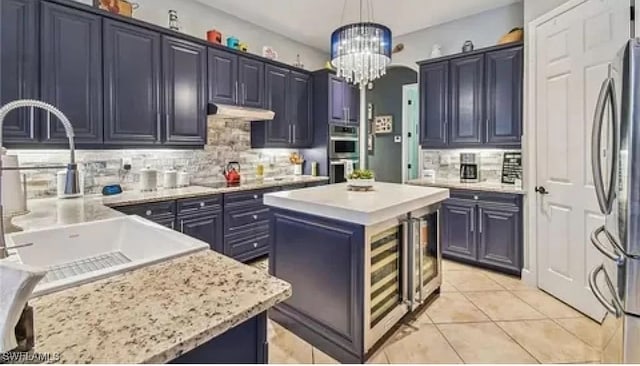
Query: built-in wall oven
x=402, y=269
x=343, y=142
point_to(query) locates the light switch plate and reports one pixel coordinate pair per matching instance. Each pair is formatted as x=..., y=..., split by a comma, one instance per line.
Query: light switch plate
x=397, y=138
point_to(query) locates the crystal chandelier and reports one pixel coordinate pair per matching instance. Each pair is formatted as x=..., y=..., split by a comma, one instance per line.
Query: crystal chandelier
x=361, y=51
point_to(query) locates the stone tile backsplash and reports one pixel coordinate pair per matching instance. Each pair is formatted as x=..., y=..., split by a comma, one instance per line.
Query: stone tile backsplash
x=446, y=163
x=226, y=141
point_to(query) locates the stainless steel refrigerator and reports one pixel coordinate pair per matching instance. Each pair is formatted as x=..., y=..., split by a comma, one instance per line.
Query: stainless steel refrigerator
x=616, y=282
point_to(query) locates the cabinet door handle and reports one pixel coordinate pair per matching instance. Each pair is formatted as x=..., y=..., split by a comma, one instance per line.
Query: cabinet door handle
x=32, y=117
x=293, y=133
x=244, y=93
x=236, y=94
x=473, y=228
x=480, y=222
x=173, y=225
x=290, y=134
x=158, y=121
x=182, y=226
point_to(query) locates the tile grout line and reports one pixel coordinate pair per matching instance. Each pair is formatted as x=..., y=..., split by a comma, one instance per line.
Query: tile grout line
x=449, y=343
x=499, y=327
x=518, y=343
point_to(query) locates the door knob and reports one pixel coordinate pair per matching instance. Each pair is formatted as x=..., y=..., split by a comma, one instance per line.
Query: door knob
x=542, y=190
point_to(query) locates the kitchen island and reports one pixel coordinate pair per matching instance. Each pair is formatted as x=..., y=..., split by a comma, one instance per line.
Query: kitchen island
x=349, y=256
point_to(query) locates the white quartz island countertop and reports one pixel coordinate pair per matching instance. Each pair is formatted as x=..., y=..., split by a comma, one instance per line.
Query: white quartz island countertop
x=336, y=201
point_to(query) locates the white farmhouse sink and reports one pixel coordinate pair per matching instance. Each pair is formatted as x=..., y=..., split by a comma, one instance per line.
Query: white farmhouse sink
x=81, y=253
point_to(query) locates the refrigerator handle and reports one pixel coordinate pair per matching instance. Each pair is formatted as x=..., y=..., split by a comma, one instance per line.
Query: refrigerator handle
x=614, y=307
x=604, y=199
x=619, y=259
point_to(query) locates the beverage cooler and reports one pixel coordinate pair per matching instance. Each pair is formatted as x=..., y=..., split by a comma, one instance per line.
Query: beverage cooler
x=402, y=270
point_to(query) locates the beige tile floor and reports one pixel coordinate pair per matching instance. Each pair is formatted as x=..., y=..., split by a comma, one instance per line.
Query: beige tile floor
x=480, y=317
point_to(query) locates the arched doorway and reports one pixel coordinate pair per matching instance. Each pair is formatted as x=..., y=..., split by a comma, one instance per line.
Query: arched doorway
x=395, y=95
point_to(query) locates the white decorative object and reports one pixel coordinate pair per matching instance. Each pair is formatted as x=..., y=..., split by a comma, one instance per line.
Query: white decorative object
x=269, y=52
x=148, y=179
x=184, y=179
x=170, y=178
x=383, y=124
x=361, y=183
x=436, y=51
x=297, y=169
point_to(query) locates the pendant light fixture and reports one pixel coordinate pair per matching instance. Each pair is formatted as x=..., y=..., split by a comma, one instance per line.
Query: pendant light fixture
x=361, y=51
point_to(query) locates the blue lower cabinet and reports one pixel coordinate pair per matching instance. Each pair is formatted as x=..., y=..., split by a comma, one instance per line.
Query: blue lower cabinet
x=483, y=229
x=327, y=312
x=244, y=344
x=500, y=236
x=205, y=226
x=458, y=229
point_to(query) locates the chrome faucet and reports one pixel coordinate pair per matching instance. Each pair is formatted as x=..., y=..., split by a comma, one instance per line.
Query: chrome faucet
x=72, y=183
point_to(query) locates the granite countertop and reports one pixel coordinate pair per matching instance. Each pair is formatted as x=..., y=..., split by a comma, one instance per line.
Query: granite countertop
x=480, y=186
x=154, y=314
x=51, y=212
x=384, y=201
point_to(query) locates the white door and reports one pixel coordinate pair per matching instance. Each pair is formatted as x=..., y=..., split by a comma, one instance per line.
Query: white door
x=572, y=53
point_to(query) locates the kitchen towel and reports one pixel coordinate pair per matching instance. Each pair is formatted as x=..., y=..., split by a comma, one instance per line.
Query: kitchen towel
x=17, y=282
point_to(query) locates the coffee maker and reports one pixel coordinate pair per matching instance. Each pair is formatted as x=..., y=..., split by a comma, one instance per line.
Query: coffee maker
x=469, y=169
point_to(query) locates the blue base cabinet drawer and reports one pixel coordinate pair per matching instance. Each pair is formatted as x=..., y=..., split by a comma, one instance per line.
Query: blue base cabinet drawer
x=240, y=219
x=150, y=210
x=246, y=246
x=484, y=229
x=246, y=197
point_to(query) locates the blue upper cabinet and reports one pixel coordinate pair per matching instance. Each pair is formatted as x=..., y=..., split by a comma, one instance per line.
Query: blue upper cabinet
x=278, y=131
x=132, y=84
x=19, y=66
x=352, y=104
x=71, y=72
x=251, y=82
x=185, y=91
x=434, y=104
x=337, y=97
x=335, y=100
x=504, y=96
x=300, y=108
x=467, y=102
x=223, y=77
x=472, y=99
x=343, y=101
x=288, y=93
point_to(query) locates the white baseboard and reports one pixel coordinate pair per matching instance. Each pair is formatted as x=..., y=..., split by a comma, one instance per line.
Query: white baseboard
x=529, y=278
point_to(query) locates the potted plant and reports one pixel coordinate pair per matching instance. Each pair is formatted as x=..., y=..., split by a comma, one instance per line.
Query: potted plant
x=361, y=178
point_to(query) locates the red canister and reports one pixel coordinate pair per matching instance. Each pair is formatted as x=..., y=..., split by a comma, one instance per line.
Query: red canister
x=214, y=36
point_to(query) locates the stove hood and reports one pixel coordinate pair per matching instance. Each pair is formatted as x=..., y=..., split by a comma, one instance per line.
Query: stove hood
x=238, y=113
